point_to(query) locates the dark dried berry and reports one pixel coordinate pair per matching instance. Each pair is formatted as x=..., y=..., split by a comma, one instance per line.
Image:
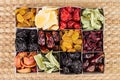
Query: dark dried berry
x=74, y=56
x=76, y=66
x=66, y=70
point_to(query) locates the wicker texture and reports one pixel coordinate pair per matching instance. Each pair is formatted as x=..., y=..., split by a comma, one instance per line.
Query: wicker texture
x=111, y=39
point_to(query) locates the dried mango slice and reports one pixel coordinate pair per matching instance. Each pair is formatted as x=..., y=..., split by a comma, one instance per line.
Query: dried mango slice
x=63, y=48
x=20, y=18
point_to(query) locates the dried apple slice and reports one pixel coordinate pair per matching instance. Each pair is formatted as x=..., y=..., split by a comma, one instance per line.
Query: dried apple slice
x=41, y=18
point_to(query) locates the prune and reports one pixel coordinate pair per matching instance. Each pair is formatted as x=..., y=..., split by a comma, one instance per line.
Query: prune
x=74, y=56
x=70, y=63
x=66, y=70
x=22, y=33
x=33, y=36
x=33, y=47
x=49, y=40
x=76, y=66
x=21, y=47
x=26, y=40
x=41, y=39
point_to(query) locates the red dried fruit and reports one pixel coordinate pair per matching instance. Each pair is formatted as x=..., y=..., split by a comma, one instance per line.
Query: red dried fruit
x=91, y=68
x=85, y=64
x=70, y=9
x=70, y=24
x=62, y=25
x=41, y=39
x=65, y=15
x=49, y=40
x=76, y=14
x=97, y=58
x=77, y=26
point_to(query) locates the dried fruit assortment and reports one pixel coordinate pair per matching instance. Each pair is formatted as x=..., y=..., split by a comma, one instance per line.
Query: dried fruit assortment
x=48, y=40
x=47, y=18
x=68, y=40
x=70, y=62
x=92, y=19
x=48, y=63
x=69, y=18
x=25, y=17
x=92, y=41
x=93, y=62
x=71, y=40
x=26, y=40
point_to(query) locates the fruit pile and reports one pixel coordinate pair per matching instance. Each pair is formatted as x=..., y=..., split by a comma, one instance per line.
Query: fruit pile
x=68, y=40
x=25, y=17
x=48, y=40
x=69, y=18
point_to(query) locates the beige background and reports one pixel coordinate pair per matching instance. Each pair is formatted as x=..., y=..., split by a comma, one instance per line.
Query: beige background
x=111, y=39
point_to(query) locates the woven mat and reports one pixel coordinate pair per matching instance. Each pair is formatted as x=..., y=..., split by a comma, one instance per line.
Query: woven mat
x=111, y=39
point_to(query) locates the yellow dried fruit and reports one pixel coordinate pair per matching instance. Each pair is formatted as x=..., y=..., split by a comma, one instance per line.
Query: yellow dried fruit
x=33, y=10
x=77, y=47
x=78, y=41
x=22, y=12
x=20, y=18
x=71, y=50
x=75, y=35
x=63, y=48
x=67, y=45
x=25, y=17
x=28, y=15
x=71, y=40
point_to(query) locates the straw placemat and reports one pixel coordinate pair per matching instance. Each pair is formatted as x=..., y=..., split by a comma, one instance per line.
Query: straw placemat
x=111, y=39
